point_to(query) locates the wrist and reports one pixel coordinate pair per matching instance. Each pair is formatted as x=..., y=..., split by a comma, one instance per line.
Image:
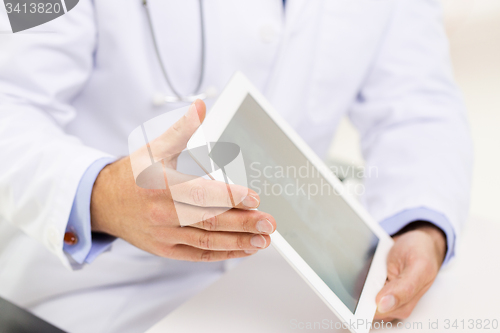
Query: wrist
x=437, y=236
x=439, y=240
x=98, y=200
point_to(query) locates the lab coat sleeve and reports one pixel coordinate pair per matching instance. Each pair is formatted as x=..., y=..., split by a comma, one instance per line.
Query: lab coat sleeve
x=414, y=133
x=89, y=245
x=41, y=71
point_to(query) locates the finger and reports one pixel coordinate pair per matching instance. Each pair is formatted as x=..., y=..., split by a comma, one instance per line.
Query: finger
x=401, y=312
x=188, y=214
x=221, y=241
x=213, y=216
x=202, y=192
x=174, y=140
x=239, y=221
x=403, y=288
x=189, y=253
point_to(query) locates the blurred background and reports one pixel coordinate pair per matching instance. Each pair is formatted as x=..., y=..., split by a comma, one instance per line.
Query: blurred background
x=473, y=28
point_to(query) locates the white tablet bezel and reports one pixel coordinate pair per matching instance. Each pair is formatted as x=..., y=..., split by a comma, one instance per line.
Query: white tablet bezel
x=214, y=125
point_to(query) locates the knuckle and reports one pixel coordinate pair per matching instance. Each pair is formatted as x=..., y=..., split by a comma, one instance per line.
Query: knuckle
x=210, y=222
x=206, y=255
x=198, y=195
x=205, y=242
x=246, y=224
x=231, y=254
x=239, y=242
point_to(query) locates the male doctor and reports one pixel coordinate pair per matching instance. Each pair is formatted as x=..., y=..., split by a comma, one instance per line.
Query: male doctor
x=86, y=249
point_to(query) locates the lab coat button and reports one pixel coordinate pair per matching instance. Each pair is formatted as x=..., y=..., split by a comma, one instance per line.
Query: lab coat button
x=267, y=33
x=70, y=238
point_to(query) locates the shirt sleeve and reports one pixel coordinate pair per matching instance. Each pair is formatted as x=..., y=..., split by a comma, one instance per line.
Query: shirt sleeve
x=88, y=246
x=415, y=137
x=397, y=222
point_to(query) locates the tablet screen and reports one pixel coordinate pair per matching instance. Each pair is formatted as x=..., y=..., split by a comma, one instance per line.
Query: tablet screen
x=315, y=220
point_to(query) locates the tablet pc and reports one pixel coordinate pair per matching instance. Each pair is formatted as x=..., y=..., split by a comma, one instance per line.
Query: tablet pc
x=323, y=232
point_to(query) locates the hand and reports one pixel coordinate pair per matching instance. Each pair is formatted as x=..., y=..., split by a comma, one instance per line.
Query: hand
x=148, y=218
x=412, y=265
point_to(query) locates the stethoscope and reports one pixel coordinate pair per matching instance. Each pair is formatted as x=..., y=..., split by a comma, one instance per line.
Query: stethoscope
x=159, y=98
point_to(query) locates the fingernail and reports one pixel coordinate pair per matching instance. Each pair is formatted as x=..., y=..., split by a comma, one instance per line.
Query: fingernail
x=265, y=226
x=258, y=241
x=386, y=304
x=251, y=251
x=250, y=201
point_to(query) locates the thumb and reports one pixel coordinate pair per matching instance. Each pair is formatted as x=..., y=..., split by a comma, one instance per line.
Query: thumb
x=175, y=139
x=402, y=288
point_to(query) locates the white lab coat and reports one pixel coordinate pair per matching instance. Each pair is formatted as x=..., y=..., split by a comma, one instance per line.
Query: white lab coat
x=72, y=95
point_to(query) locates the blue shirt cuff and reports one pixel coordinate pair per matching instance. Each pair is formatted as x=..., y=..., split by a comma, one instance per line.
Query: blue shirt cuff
x=397, y=222
x=88, y=245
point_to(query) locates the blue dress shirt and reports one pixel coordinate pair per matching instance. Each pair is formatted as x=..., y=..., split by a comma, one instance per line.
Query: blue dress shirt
x=90, y=245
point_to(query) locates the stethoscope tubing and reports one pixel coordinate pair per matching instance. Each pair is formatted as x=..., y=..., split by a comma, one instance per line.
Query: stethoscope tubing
x=178, y=97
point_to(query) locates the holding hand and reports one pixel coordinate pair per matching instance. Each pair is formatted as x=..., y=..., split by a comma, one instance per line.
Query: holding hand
x=412, y=265
x=149, y=218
